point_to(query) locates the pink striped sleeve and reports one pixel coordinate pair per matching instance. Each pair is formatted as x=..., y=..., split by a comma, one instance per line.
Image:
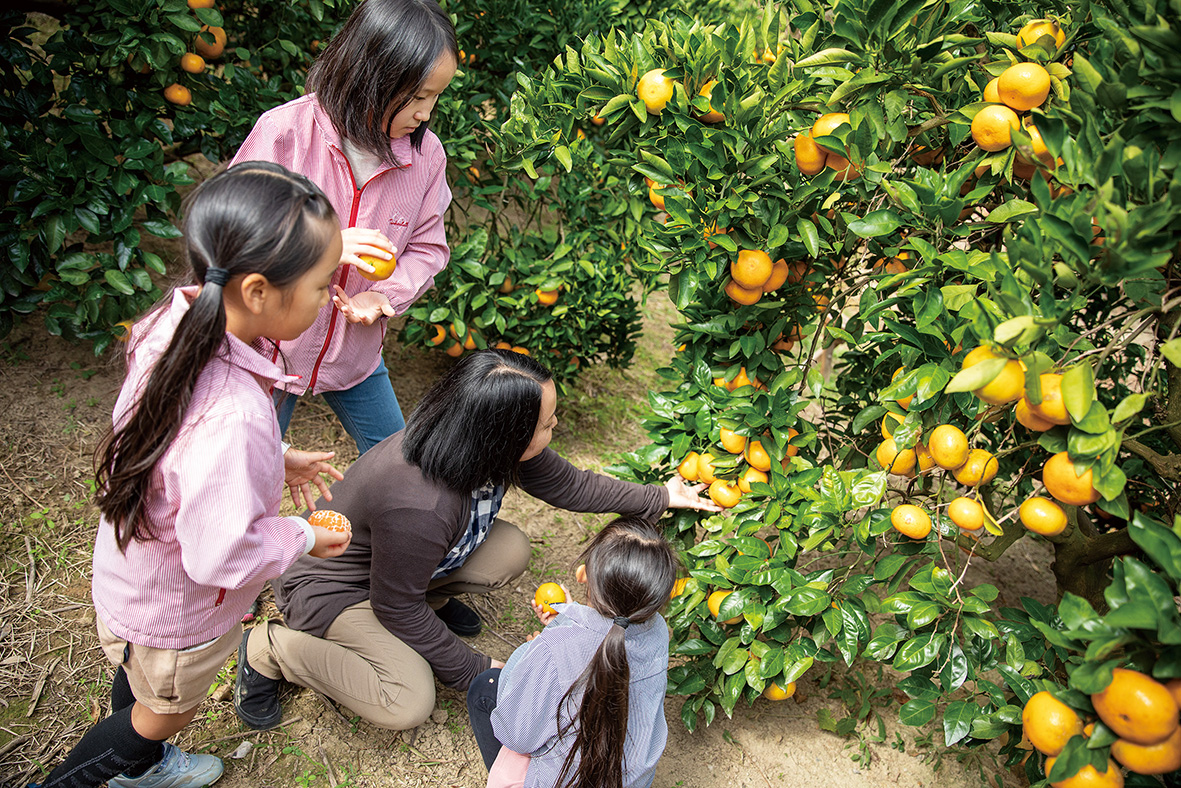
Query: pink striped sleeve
x=264, y=143
x=227, y=495
x=425, y=253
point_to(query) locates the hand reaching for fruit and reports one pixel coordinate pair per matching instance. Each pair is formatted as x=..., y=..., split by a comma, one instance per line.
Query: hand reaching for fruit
x=303, y=469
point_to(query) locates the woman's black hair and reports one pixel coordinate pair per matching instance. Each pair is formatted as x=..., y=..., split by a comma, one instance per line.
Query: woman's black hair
x=630, y=571
x=475, y=422
x=255, y=217
x=375, y=65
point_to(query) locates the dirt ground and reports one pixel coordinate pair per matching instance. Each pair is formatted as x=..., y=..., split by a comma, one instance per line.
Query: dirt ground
x=54, y=683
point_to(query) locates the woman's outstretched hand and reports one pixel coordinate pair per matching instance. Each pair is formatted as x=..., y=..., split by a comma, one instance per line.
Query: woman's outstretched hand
x=684, y=495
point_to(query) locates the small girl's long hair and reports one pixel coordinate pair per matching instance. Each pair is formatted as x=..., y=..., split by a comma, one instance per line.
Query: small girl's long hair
x=373, y=67
x=630, y=571
x=256, y=217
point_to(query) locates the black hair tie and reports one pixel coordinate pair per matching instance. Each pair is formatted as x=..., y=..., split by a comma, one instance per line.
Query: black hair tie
x=622, y=621
x=216, y=276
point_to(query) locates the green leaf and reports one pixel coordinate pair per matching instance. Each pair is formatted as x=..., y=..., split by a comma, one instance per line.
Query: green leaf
x=809, y=235
x=1078, y=390
x=957, y=720
x=976, y=376
x=562, y=153
x=1129, y=406
x=1011, y=210
x=916, y=712
x=119, y=281
x=1159, y=543
x=917, y=652
x=876, y=223
x=1172, y=351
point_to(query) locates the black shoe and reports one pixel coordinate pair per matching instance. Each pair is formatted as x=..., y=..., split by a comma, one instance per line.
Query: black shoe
x=459, y=618
x=256, y=697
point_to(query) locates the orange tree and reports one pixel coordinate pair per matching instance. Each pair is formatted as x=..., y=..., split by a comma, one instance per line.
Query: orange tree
x=958, y=343
x=98, y=108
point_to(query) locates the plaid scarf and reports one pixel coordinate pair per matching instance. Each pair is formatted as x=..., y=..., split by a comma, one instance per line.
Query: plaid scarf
x=485, y=504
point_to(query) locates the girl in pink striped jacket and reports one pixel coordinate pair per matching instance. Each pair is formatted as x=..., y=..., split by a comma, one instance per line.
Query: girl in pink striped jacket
x=191, y=477
x=362, y=135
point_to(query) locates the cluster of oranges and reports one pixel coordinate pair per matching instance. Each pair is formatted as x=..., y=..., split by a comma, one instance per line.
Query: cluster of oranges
x=725, y=492
x=1019, y=88
x=947, y=447
x=752, y=274
x=194, y=62
x=1141, y=711
x=456, y=347
x=656, y=89
x=812, y=159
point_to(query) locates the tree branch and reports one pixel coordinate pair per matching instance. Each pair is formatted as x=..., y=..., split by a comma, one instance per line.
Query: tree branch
x=1167, y=466
x=1106, y=546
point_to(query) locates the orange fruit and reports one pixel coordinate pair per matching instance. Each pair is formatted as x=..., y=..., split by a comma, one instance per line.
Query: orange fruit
x=126, y=333
x=1137, y=708
x=207, y=50
x=775, y=692
x=525, y=352
x=967, y=513
x=741, y=295
x=846, y=170
x=779, y=272
x=1034, y=30
x=1005, y=387
x=598, y=120
x=455, y=350
x=1037, y=146
x=740, y=380
x=751, y=269
x=897, y=461
x=724, y=493
x=1051, y=408
x=195, y=4
x=546, y=297
x=1027, y=418
x=502, y=345
x=925, y=461
x=714, y=603
x=1049, y=723
x=790, y=450
x=713, y=229
x=549, y=594
x=438, y=336
x=178, y=94
x=990, y=93
x=705, y=468
x=810, y=157
x=506, y=286
x=713, y=116
x=1042, y=516
x=1058, y=474
x=679, y=587
x=992, y=128
x=948, y=446
x=1090, y=777
x=194, y=64
x=757, y=456
x=903, y=403
x=1023, y=86
x=732, y=441
x=1160, y=758
x=381, y=268
x=825, y=124
x=910, y=520
x=655, y=197
x=889, y=422
x=688, y=467
x=655, y=90
x=333, y=521
x=749, y=477
x=979, y=468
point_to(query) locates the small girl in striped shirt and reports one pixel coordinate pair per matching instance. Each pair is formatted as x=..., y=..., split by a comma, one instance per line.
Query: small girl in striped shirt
x=191, y=477
x=581, y=705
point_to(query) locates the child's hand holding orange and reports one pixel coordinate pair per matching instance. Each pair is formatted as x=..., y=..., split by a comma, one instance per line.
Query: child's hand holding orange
x=548, y=594
x=333, y=533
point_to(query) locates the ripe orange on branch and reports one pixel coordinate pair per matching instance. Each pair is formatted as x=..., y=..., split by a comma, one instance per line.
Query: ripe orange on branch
x=206, y=49
x=775, y=692
x=810, y=157
x=1042, y=516
x=1049, y=723
x=1007, y=386
x=909, y=520
x=1160, y=758
x=178, y=94
x=193, y=64
x=1023, y=86
x=992, y=128
x=1069, y=487
x=967, y=513
x=1137, y=707
x=751, y=269
x=655, y=90
x=948, y=446
x=1032, y=31
x=979, y=468
x=688, y=467
x=724, y=493
x=714, y=603
x=1052, y=408
x=713, y=116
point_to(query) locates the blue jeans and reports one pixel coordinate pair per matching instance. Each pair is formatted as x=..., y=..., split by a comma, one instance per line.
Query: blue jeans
x=481, y=700
x=369, y=410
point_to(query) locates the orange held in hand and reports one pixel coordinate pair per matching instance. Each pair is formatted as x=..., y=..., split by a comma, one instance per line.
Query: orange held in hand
x=381, y=268
x=333, y=521
x=549, y=594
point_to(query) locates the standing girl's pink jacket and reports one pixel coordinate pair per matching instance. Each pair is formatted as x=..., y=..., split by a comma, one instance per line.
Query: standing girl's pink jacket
x=406, y=203
x=213, y=507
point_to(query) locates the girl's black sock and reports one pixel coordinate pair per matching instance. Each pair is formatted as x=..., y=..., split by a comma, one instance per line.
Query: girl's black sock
x=111, y=748
x=121, y=696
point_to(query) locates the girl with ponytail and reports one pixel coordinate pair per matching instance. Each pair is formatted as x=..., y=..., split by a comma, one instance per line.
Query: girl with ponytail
x=191, y=477
x=581, y=705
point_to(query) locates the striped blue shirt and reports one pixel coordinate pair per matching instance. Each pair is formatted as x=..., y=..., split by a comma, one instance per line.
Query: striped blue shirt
x=540, y=672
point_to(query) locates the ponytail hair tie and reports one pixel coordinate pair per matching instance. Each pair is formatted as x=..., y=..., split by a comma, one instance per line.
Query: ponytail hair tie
x=216, y=276
x=622, y=621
